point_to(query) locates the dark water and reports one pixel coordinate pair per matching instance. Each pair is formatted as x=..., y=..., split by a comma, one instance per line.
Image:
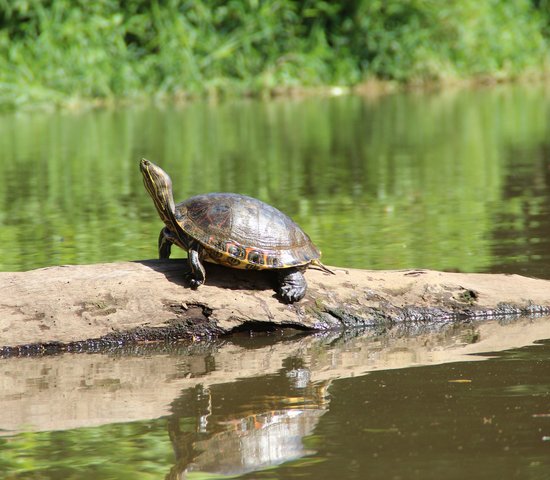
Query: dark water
x=410, y=405
x=455, y=180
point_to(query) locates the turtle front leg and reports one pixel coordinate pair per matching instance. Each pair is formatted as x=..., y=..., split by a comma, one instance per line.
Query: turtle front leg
x=197, y=276
x=165, y=243
x=292, y=284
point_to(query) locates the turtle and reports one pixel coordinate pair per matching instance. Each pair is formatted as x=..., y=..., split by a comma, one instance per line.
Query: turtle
x=233, y=230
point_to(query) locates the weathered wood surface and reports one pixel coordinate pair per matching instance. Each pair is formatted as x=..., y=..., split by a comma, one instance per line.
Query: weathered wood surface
x=83, y=307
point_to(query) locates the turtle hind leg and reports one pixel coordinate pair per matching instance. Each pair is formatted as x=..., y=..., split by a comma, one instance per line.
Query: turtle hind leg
x=292, y=284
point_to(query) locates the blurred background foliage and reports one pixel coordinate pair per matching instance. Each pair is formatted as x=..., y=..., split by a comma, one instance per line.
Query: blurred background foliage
x=63, y=51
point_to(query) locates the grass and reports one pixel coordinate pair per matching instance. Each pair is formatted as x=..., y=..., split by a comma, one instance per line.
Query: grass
x=65, y=51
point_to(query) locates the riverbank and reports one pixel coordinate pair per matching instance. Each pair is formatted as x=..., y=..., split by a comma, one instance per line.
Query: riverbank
x=68, y=55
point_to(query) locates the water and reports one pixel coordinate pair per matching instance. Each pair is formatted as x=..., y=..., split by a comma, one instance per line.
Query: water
x=278, y=406
x=455, y=180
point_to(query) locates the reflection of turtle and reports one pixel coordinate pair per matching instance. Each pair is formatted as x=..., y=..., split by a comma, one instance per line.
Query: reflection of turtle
x=232, y=230
x=254, y=442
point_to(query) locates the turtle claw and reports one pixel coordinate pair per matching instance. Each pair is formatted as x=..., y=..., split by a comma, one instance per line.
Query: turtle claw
x=291, y=294
x=194, y=282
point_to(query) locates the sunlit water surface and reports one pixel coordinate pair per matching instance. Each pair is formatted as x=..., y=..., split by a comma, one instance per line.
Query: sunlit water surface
x=455, y=180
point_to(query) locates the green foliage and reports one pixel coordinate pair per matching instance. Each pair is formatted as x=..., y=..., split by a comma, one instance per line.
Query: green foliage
x=58, y=50
x=426, y=39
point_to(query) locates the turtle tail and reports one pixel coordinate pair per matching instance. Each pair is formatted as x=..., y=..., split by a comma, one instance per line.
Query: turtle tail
x=319, y=265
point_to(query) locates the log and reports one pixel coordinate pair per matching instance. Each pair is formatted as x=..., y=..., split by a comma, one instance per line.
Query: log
x=91, y=307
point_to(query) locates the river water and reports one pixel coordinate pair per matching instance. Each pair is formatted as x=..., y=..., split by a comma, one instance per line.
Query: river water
x=452, y=181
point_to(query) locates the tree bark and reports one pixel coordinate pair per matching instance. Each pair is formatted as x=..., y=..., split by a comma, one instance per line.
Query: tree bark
x=91, y=307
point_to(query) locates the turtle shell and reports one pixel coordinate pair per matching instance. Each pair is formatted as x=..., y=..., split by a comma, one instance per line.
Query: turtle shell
x=244, y=232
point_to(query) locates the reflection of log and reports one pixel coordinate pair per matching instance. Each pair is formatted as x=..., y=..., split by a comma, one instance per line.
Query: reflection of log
x=61, y=392
x=92, y=306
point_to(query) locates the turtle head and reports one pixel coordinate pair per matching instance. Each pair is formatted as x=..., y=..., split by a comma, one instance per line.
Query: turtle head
x=159, y=185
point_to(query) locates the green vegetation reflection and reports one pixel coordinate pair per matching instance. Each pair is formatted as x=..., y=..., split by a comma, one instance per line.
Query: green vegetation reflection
x=411, y=180
x=139, y=450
